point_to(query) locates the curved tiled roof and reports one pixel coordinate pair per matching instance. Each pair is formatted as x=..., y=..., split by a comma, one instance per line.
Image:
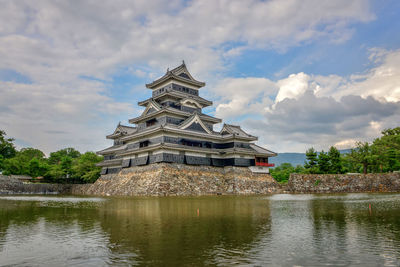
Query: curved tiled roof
x=261, y=150
x=178, y=95
x=174, y=111
x=235, y=130
x=122, y=130
x=179, y=73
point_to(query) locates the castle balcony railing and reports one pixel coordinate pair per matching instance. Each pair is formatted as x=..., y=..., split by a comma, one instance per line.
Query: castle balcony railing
x=264, y=164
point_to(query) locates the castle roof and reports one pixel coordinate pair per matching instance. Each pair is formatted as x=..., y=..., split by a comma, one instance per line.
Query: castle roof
x=178, y=95
x=179, y=73
x=253, y=150
x=121, y=130
x=235, y=130
x=263, y=151
x=194, y=119
x=174, y=129
x=174, y=111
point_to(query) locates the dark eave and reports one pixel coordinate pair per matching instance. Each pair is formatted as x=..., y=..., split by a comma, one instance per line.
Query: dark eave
x=262, y=151
x=110, y=163
x=121, y=130
x=178, y=147
x=174, y=130
x=169, y=110
x=173, y=74
x=111, y=150
x=178, y=96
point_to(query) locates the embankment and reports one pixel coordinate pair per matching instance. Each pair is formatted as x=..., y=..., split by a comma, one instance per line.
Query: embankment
x=14, y=186
x=183, y=180
x=344, y=183
x=175, y=179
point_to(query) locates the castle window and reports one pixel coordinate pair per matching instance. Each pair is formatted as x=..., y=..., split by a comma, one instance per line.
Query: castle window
x=186, y=142
x=144, y=143
x=151, y=122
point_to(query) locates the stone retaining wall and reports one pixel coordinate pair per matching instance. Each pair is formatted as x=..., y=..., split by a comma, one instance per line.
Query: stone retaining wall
x=10, y=185
x=344, y=183
x=176, y=179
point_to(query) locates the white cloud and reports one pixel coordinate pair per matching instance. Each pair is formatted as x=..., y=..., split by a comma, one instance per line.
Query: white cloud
x=294, y=86
x=320, y=111
x=382, y=81
x=243, y=96
x=56, y=43
x=48, y=116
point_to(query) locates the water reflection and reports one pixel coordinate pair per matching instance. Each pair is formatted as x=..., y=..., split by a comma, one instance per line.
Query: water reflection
x=277, y=230
x=346, y=232
x=177, y=230
x=141, y=230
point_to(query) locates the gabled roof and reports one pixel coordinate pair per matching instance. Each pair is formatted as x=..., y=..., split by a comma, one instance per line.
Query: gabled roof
x=178, y=95
x=179, y=73
x=151, y=104
x=111, y=149
x=190, y=102
x=170, y=128
x=261, y=150
x=235, y=130
x=194, y=119
x=121, y=130
x=174, y=111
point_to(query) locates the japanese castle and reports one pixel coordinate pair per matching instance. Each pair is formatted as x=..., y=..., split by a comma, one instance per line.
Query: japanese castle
x=173, y=129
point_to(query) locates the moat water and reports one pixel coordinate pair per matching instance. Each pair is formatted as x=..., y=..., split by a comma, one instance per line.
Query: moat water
x=276, y=230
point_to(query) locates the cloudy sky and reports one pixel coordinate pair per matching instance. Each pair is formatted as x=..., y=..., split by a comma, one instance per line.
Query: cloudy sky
x=297, y=73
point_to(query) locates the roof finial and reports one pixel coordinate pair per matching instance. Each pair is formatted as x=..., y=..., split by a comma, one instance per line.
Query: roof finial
x=183, y=62
x=119, y=123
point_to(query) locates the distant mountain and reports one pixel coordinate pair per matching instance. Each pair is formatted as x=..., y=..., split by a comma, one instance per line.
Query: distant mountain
x=294, y=158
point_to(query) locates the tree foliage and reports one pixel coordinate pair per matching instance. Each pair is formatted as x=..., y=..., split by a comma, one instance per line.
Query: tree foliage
x=382, y=155
x=311, y=165
x=7, y=148
x=63, y=166
x=282, y=172
x=58, y=156
x=324, y=165
x=83, y=167
x=335, y=160
x=27, y=161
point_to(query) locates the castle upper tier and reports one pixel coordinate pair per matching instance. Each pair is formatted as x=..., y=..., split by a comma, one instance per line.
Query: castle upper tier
x=173, y=129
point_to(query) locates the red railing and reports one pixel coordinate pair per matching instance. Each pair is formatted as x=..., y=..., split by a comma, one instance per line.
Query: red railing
x=265, y=164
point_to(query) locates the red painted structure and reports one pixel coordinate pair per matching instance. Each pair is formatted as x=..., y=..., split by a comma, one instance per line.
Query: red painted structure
x=264, y=164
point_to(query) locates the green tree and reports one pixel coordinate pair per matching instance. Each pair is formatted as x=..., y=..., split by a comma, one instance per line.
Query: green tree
x=13, y=166
x=311, y=165
x=29, y=153
x=66, y=166
x=37, y=167
x=324, y=165
x=85, y=167
x=335, y=160
x=61, y=164
x=282, y=172
x=55, y=174
x=387, y=149
x=56, y=157
x=363, y=155
x=7, y=148
x=393, y=159
x=28, y=161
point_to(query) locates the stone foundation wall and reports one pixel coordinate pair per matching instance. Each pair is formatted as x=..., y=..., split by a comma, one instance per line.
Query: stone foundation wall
x=10, y=185
x=344, y=183
x=176, y=179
